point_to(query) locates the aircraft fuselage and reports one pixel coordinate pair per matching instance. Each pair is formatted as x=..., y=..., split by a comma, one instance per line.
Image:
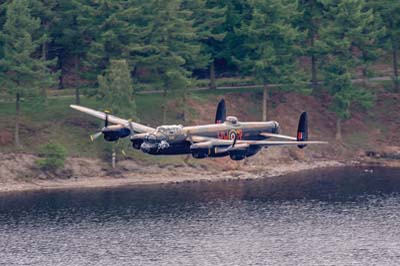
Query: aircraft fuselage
x=173, y=140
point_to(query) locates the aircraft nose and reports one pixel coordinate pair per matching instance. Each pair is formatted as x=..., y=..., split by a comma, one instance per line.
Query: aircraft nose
x=145, y=147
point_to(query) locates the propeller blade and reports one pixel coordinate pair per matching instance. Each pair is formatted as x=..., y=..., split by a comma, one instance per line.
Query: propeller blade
x=222, y=150
x=106, y=121
x=95, y=136
x=130, y=127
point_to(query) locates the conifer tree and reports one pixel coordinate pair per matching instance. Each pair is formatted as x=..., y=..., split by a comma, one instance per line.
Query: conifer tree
x=167, y=46
x=347, y=23
x=21, y=72
x=389, y=14
x=114, y=34
x=233, y=49
x=73, y=34
x=208, y=17
x=272, y=42
x=310, y=22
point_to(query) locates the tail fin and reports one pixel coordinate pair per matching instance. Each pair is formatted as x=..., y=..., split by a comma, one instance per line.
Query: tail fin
x=220, y=116
x=302, y=130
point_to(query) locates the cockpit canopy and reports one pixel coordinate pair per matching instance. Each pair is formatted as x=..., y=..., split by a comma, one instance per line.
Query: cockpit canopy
x=170, y=130
x=231, y=120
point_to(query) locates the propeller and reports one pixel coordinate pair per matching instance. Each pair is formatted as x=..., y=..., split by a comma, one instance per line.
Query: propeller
x=98, y=134
x=131, y=127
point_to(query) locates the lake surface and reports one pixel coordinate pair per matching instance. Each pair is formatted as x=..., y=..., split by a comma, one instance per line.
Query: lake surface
x=225, y=223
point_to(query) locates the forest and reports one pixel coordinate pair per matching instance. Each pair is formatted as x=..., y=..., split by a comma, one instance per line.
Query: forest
x=113, y=49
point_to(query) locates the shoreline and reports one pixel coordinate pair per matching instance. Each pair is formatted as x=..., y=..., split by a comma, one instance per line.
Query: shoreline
x=167, y=176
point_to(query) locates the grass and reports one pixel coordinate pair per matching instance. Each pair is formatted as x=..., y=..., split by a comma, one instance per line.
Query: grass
x=55, y=121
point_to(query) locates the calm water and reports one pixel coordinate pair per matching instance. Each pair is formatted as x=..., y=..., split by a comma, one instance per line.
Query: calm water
x=201, y=224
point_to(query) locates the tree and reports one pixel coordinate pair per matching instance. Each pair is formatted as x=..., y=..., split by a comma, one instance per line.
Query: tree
x=208, y=17
x=116, y=92
x=21, y=72
x=116, y=89
x=166, y=46
x=310, y=22
x=389, y=14
x=45, y=11
x=72, y=37
x=272, y=42
x=347, y=23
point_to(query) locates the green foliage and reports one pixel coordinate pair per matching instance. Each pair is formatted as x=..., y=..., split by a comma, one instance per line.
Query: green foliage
x=53, y=157
x=116, y=90
x=21, y=71
x=208, y=17
x=347, y=28
x=272, y=41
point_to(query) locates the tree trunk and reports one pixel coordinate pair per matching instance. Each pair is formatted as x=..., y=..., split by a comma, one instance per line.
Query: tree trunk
x=113, y=155
x=77, y=94
x=339, y=129
x=314, y=82
x=44, y=58
x=395, y=70
x=17, y=112
x=184, y=106
x=265, y=103
x=164, y=107
x=213, y=85
x=365, y=77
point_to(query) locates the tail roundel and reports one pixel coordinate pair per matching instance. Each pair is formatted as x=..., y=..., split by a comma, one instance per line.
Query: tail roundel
x=302, y=130
x=220, y=116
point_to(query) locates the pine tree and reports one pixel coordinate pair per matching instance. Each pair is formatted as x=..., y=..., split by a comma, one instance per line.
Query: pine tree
x=272, y=42
x=310, y=22
x=116, y=90
x=22, y=73
x=114, y=31
x=208, y=17
x=389, y=14
x=167, y=46
x=73, y=34
x=233, y=50
x=45, y=11
x=347, y=23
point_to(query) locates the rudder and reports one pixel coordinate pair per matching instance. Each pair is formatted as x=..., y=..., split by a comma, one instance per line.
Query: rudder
x=302, y=130
x=220, y=115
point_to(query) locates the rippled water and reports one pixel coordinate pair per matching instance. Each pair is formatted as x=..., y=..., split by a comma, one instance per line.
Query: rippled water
x=164, y=226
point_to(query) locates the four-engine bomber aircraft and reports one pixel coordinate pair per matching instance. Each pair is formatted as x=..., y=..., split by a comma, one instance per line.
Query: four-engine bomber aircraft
x=226, y=137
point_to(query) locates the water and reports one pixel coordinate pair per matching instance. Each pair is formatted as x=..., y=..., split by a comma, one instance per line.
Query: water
x=201, y=224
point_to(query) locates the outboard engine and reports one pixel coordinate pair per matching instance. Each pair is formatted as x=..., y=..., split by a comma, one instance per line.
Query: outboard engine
x=237, y=155
x=112, y=134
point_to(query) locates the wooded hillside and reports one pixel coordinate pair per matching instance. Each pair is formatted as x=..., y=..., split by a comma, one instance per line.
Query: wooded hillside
x=311, y=46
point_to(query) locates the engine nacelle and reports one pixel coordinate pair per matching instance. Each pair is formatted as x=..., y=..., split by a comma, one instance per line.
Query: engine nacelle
x=199, y=155
x=111, y=134
x=136, y=143
x=237, y=155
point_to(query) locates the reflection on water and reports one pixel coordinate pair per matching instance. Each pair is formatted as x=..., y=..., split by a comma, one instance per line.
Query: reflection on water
x=227, y=223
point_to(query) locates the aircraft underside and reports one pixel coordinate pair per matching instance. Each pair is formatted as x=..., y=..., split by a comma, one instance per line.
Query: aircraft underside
x=185, y=148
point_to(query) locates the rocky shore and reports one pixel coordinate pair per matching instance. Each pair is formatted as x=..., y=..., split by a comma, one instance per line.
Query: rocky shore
x=18, y=172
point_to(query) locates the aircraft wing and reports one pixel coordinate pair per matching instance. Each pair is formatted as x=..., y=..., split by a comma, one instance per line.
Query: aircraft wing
x=113, y=119
x=206, y=142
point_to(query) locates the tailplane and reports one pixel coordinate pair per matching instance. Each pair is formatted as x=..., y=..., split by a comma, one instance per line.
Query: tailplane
x=220, y=116
x=302, y=130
